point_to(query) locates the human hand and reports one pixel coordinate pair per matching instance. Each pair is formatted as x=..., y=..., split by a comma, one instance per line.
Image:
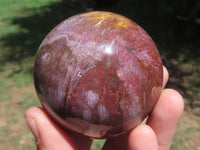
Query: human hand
x=156, y=134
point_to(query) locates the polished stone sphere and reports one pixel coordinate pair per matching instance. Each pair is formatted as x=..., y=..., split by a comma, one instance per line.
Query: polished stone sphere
x=98, y=74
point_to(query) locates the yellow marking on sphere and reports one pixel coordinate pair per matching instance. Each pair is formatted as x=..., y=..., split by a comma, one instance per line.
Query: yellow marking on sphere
x=122, y=24
x=101, y=17
x=98, y=15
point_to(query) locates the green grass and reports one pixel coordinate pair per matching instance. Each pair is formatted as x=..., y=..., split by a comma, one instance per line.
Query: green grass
x=184, y=138
x=22, y=79
x=3, y=88
x=10, y=9
x=98, y=144
x=17, y=50
x=28, y=101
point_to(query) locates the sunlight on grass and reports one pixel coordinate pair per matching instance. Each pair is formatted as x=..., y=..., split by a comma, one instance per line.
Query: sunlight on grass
x=22, y=79
x=98, y=144
x=11, y=8
x=29, y=100
x=5, y=89
x=16, y=73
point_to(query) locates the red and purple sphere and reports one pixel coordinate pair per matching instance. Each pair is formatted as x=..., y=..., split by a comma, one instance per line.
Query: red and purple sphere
x=98, y=74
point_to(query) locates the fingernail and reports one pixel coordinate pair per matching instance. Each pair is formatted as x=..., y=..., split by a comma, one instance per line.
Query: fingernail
x=33, y=127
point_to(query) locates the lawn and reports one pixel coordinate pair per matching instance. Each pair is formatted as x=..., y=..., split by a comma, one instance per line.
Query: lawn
x=25, y=23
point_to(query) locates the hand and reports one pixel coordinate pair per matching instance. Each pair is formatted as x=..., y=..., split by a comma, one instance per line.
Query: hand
x=156, y=134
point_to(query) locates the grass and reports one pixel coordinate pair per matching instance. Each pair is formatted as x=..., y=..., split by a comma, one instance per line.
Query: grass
x=3, y=88
x=24, y=24
x=28, y=101
x=16, y=80
x=12, y=8
x=22, y=79
x=98, y=144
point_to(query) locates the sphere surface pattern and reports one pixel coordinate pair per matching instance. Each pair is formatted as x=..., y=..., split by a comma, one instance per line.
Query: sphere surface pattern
x=98, y=74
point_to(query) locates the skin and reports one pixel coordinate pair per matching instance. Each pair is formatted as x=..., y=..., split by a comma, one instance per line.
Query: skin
x=156, y=134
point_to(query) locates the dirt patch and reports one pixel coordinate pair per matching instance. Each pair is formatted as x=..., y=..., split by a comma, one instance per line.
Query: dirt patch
x=185, y=77
x=12, y=123
x=188, y=133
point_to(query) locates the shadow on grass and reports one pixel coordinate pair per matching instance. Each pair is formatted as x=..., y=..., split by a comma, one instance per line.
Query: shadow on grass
x=33, y=28
x=172, y=36
x=175, y=38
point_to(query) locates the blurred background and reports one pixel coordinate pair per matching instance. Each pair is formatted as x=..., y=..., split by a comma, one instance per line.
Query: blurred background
x=174, y=25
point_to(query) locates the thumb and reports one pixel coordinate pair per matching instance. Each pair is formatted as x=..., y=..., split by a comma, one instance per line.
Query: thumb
x=48, y=135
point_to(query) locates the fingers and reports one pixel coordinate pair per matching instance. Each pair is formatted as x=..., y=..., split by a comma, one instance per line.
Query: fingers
x=163, y=120
x=165, y=76
x=121, y=142
x=142, y=138
x=48, y=135
x=165, y=117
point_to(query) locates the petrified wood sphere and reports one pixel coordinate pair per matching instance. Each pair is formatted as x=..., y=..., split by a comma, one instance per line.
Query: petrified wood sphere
x=98, y=74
